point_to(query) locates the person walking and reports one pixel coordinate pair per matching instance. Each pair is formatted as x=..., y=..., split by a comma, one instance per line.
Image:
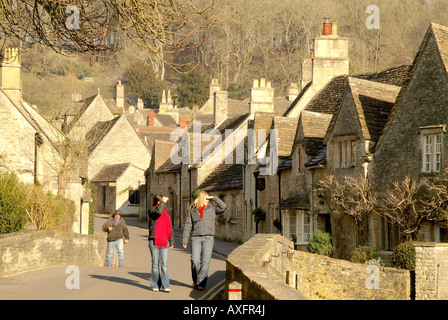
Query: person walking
x=160, y=239
x=200, y=225
x=117, y=235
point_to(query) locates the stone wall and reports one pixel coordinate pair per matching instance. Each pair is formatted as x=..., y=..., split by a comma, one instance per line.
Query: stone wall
x=259, y=282
x=320, y=277
x=268, y=268
x=32, y=250
x=431, y=271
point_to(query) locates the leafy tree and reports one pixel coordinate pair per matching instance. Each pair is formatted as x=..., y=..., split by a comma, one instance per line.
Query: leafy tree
x=193, y=89
x=141, y=82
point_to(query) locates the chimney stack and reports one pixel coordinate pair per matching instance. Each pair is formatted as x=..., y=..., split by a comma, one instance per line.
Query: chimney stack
x=119, y=95
x=76, y=96
x=140, y=104
x=220, y=112
x=261, y=97
x=184, y=121
x=293, y=92
x=10, y=80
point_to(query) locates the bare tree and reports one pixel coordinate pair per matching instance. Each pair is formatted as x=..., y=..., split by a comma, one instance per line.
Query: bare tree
x=352, y=197
x=160, y=26
x=409, y=203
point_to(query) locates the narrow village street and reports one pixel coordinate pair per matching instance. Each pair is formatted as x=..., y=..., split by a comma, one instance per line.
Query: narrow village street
x=130, y=282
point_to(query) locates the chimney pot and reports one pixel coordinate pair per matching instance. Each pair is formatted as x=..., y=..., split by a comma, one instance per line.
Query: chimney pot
x=334, y=28
x=327, y=27
x=150, y=117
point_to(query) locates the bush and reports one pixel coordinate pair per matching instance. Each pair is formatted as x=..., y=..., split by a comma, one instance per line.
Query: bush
x=403, y=256
x=13, y=204
x=26, y=203
x=363, y=254
x=320, y=243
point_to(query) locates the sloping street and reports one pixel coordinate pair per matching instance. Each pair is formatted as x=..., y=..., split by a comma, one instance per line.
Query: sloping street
x=128, y=282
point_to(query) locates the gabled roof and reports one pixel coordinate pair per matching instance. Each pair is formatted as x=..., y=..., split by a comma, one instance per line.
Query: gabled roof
x=440, y=34
x=99, y=131
x=77, y=109
x=373, y=103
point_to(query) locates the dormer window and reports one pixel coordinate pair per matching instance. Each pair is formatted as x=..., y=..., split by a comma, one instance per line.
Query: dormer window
x=345, y=151
x=432, y=137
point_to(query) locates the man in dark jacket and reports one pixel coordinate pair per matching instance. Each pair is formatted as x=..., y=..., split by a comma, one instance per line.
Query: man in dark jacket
x=117, y=234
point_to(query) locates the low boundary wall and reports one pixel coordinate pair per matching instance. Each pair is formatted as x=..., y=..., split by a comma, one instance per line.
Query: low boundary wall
x=268, y=267
x=37, y=249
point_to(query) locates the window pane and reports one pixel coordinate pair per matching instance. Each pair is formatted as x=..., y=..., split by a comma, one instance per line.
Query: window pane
x=352, y=160
x=340, y=154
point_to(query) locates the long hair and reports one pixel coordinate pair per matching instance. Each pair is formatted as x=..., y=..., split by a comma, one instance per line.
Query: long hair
x=199, y=201
x=157, y=198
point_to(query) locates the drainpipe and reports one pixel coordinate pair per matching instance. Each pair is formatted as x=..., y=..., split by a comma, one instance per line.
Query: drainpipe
x=279, y=174
x=180, y=198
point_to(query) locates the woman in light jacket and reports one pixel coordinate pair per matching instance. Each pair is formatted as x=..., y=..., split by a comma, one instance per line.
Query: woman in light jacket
x=200, y=225
x=160, y=239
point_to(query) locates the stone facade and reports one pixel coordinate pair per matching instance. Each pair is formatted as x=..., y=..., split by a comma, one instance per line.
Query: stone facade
x=119, y=144
x=431, y=271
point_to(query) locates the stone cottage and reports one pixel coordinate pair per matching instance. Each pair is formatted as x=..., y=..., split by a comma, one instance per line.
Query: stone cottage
x=416, y=127
x=31, y=147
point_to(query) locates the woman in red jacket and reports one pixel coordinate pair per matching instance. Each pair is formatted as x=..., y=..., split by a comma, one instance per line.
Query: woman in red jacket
x=160, y=239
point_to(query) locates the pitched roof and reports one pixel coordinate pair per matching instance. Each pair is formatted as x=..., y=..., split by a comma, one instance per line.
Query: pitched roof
x=95, y=135
x=373, y=102
x=314, y=124
x=441, y=35
x=329, y=98
x=224, y=177
x=77, y=109
x=111, y=173
x=286, y=129
x=165, y=120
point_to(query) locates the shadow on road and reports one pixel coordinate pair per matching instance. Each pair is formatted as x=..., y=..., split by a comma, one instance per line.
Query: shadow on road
x=120, y=280
x=216, y=277
x=146, y=276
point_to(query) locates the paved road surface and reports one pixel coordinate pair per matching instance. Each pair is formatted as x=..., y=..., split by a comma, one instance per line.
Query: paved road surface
x=128, y=282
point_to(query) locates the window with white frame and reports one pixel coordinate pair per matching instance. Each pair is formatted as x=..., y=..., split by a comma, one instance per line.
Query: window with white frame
x=297, y=226
x=432, y=148
x=345, y=152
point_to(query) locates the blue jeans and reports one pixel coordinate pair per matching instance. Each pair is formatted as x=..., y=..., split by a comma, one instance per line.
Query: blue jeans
x=111, y=245
x=159, y=261
x=201, y=254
